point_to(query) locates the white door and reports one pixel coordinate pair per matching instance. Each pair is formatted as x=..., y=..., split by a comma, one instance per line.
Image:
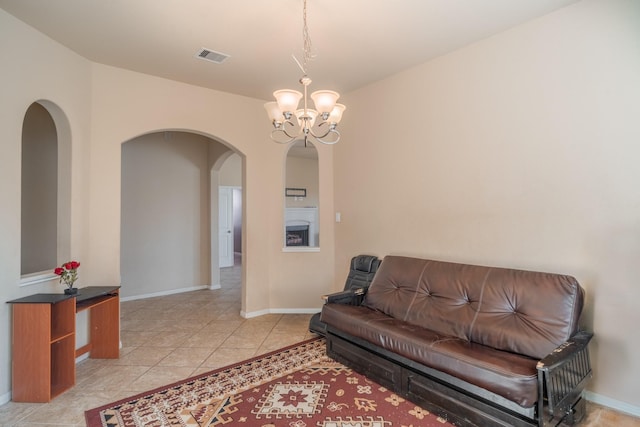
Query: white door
x=225, y=226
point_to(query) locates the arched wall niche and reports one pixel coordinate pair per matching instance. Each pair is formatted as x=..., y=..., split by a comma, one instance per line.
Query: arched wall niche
x=59, y=134
x=170, y=175
x=301, y=198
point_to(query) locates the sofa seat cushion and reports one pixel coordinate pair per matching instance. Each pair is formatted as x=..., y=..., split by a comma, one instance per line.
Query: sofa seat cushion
x=509, y=375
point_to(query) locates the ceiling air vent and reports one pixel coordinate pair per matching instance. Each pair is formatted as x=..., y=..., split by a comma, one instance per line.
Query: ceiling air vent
x=211, y=55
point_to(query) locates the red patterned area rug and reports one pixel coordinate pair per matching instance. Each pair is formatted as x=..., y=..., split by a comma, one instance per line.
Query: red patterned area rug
x=298, y=386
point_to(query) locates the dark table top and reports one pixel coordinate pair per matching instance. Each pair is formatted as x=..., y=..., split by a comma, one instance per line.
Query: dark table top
x=82, y=295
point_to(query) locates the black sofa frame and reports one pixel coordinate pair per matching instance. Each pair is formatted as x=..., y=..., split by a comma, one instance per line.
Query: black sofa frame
x=562, y=376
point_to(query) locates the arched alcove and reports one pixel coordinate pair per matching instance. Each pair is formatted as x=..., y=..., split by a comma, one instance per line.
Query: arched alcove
x=45, y=191
x=301, y=198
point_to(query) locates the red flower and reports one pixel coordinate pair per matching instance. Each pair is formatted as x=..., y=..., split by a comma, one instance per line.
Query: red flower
x=71, y=265
x=68, y=272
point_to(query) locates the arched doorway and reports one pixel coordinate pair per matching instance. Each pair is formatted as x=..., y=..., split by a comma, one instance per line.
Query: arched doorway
x=169, y=213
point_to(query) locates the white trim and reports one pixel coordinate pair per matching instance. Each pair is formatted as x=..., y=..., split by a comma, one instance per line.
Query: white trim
x=614, y=404
x=82, y=357
x=295, y=310
x=164, y=293
x=214, y=287
x=253, y=314
x=39, y=277
x=300, y=249
x=5, y=398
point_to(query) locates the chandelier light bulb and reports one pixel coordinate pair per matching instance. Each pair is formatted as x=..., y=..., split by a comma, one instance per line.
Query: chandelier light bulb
x=274, y=112
x=325, y=100
x=336, y=114
x=287, y=100
x=310, y=116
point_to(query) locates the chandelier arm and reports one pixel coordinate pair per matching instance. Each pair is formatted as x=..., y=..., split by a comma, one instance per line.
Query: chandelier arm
x=319, y=127
x=274, y=138
x=332, y=131
x=292, y=127
x=281, y=129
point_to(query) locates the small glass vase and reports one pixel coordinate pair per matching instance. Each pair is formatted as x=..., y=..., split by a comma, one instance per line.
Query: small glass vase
x=70, y=290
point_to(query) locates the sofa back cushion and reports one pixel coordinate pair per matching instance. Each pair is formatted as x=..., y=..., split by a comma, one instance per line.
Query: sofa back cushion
x=524, y=312
x=363, y=269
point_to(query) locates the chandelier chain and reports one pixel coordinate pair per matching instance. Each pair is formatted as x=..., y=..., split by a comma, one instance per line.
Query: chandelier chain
x=306, y=40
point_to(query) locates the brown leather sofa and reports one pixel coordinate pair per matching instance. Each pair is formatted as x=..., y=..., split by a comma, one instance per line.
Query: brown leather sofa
x=480, y=346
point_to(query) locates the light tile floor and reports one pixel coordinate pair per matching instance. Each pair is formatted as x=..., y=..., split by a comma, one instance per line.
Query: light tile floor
x=167, y=339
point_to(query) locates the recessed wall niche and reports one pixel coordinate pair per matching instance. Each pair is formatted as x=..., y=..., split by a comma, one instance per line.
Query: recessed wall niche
x=39, y=191
x=301, y=195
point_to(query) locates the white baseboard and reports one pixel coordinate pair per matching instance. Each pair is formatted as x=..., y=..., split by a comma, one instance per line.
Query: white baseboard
x=296, y=310
x=82, y=357
x=613, y=404
x=213, y=287
x=164, y=293
x=5, y=398
x=252, y=314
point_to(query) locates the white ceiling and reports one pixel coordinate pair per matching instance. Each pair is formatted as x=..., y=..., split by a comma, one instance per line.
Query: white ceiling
x=357, y=42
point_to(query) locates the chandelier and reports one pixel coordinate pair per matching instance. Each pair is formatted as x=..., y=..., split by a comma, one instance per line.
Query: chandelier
x=308, y=124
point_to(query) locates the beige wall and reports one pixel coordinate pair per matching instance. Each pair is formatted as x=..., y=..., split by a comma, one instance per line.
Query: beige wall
x=103, y=107
x=62, y=81
x=518, y=151
x=140, y=104
x=231, y=172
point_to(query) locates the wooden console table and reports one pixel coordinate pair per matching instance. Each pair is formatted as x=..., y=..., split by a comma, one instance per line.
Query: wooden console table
x=44, y=339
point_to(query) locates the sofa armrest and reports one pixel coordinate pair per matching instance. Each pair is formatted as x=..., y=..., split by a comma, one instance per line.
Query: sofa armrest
x=349, y=297
x=562, y=376
x=574, y=345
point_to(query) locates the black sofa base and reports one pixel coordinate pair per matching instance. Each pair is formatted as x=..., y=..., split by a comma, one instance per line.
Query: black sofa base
x=459, y=402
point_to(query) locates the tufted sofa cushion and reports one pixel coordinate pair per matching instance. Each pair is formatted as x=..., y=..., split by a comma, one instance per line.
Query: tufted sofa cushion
x=524, y=312
x=510, y=375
